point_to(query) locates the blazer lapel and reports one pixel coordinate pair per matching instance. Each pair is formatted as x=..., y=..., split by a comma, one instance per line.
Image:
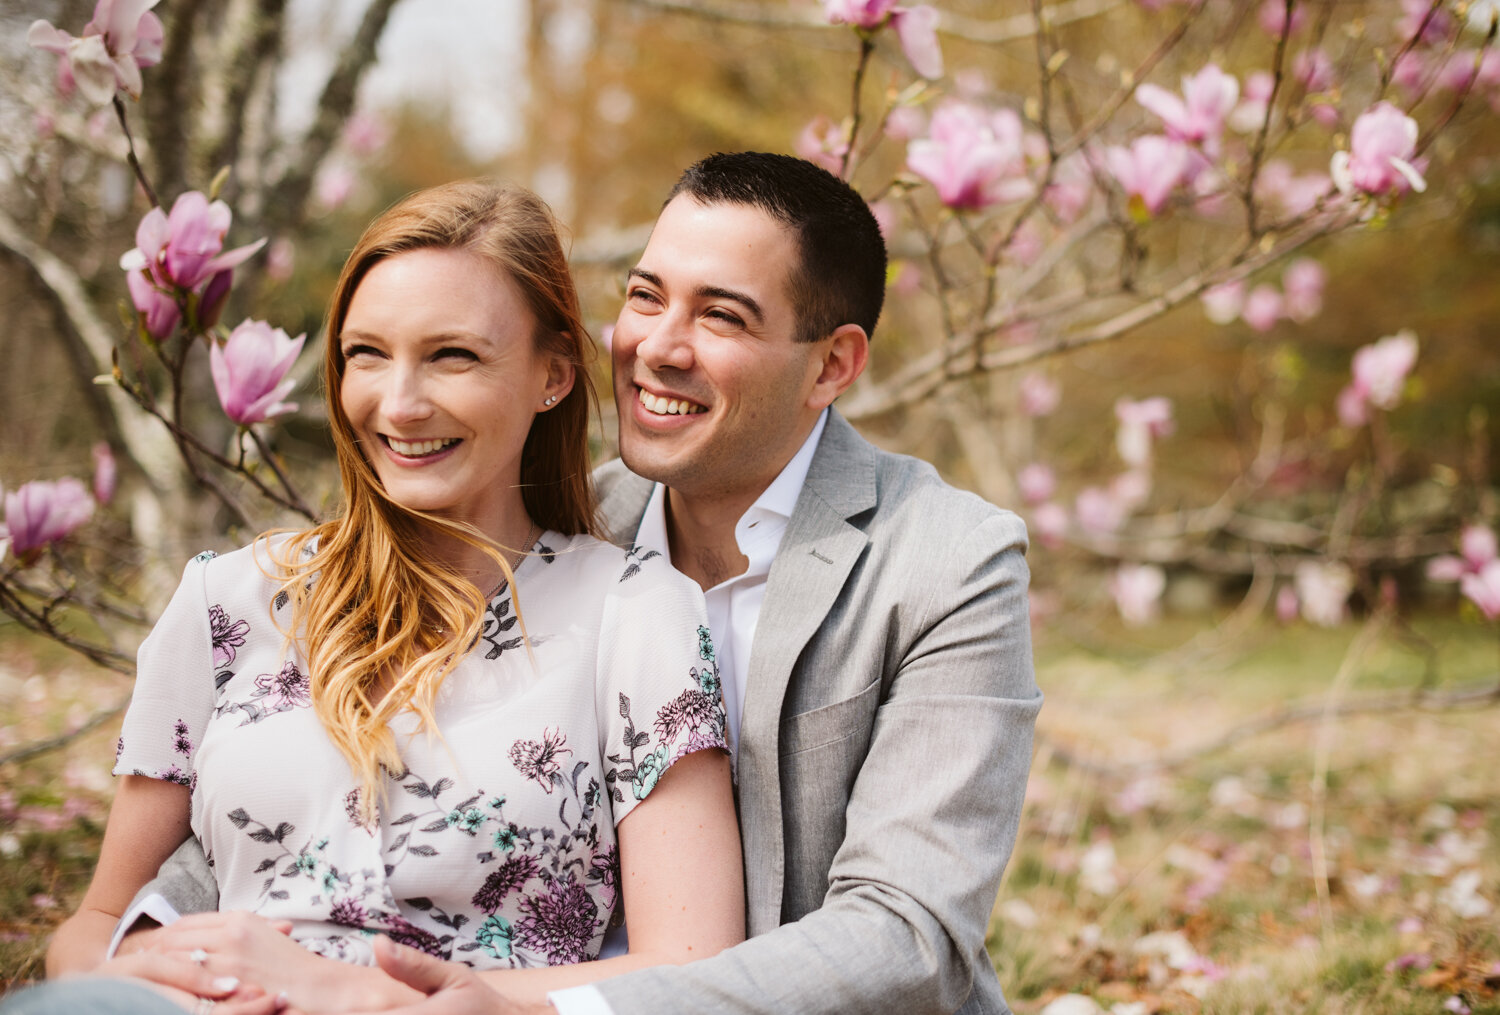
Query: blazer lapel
x=817, y=553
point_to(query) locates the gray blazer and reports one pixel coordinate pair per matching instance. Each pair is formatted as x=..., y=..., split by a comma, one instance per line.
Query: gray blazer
x=883, y=752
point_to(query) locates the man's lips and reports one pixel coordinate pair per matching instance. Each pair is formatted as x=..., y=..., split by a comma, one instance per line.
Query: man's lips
x=666, y=405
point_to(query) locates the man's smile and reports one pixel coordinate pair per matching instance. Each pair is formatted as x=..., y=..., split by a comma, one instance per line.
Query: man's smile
x=665, y=406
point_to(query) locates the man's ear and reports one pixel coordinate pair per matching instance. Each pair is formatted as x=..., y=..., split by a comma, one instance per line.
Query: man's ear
x=843, y=357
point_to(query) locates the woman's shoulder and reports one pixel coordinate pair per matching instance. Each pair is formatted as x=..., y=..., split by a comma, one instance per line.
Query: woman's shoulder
x=262, y=562
x=624, y=568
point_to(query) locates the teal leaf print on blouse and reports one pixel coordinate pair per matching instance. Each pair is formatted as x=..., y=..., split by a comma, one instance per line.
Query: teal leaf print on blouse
x=494, y=936
x=648, y=772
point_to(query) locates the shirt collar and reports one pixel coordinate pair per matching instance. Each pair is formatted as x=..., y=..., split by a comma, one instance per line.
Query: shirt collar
x=778, y=499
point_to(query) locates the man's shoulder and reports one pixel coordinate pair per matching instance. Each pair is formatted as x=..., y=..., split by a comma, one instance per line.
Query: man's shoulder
x=911, y=499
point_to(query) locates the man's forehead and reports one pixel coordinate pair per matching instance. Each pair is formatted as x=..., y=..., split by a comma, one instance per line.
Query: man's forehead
x=737, y=241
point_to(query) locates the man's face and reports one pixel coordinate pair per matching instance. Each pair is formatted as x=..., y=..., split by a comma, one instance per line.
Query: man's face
x=712, y=388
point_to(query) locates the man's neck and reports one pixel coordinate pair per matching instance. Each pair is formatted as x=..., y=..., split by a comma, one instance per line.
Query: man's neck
x=702, y=538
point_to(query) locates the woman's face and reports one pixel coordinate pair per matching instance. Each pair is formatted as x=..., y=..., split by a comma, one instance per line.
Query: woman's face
x=441, y=382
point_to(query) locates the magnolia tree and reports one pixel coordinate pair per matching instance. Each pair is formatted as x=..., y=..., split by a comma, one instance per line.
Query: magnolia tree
x=1026, y=224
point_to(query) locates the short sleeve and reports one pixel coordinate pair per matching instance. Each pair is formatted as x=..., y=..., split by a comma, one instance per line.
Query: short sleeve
x=658, y=679
x=174, y=684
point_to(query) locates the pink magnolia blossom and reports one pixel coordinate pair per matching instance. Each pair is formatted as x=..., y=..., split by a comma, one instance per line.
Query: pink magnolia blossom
x=1039, y=393
x=1148, y=171
x=1137, y=590
x=823, y=142
x=905, y=122
x=1097, y=511
x=43, y=512
x=334, y=185
x=1323, y=589
x=972, y=156
x=864, y=14
x=1050, y=523
x=1290, y=193
x=1071, y=187
x=365, y=134
x=123, y=37
x=1250, y=114
x=1477, y=548
x=281, y=259
x=1263, y=307
x=1140, y=423
x=186, y=248
x=1198, y=116
x=1131, y=488
x=1037, y=483
x=249, y=372
x=106, y=474
x=1275, y=21
x=158, y=309
x=1287, y=606
x=1351, y=407
x=1314, y=70
x=1410, y=71
x=1380, y=369
x=1302, y=286
x=1429, y=27
x=1382, y=146
x=1222, y=303
x=916, y=28
x=885, y=218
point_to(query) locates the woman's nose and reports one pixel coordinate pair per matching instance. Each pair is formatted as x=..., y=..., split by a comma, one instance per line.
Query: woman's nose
x=406, y=398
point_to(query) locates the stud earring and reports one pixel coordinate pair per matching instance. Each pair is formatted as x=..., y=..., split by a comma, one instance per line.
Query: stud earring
x=551, y=399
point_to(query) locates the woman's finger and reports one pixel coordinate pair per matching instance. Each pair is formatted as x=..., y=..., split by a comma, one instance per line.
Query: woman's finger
x=172, y=971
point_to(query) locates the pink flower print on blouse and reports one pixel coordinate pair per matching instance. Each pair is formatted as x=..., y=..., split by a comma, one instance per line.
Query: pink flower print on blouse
x=282, y=691
x=539, y=761
x=690, y=710
x=558, y=923
x=227, y=635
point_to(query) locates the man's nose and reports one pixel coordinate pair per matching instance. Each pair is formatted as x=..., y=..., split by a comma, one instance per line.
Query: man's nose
x=668, y=342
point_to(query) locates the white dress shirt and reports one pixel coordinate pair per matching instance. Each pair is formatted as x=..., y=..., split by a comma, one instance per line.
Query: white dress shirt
x=733, y=612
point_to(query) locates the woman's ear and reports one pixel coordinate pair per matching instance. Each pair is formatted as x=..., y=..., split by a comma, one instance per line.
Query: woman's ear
x=560, y=377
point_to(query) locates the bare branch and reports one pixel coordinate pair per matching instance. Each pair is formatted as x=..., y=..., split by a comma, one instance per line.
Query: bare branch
x=36, y=747
x=1483, y=694
x=143, y=442
x=288, y=202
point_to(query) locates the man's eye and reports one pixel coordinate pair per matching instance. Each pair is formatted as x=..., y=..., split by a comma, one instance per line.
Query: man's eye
x=642, y=296
x=733, y=320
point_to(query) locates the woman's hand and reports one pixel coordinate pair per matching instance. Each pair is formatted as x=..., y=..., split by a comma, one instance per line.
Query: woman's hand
x=256, y=950
x=184, y=982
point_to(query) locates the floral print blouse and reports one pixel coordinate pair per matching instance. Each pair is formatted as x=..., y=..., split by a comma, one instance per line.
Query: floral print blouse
x=496, y=845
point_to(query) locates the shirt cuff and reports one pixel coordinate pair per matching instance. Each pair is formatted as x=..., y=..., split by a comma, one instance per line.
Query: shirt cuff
x=151, y=907
x=584, y=1000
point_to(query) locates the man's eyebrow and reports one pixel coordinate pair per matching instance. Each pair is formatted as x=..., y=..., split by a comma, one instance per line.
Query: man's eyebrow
x=716, y=292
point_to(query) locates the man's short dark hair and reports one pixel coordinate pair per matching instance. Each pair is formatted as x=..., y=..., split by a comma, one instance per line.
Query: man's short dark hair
x=841, y=279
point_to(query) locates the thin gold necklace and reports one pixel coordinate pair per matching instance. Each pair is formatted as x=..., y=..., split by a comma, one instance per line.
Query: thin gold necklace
x=532, y=535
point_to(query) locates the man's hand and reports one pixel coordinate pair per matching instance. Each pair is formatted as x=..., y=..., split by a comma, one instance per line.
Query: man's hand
x=451, y=989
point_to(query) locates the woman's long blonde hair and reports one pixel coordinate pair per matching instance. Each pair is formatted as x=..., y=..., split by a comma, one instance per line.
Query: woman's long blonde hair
x=372, y=607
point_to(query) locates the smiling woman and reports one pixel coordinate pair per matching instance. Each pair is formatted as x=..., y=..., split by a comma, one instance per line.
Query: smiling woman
x=564, y=763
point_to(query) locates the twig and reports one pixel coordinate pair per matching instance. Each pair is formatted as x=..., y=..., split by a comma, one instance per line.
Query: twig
x=1479, y=695
x=130, y=156
x=36, y=747
x=866, y=49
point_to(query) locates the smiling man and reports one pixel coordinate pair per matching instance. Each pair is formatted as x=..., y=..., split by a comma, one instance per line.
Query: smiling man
x=870, y=621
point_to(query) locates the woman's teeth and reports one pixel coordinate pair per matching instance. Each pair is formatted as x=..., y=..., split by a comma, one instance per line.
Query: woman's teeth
x=668, y=406
x=416, y=449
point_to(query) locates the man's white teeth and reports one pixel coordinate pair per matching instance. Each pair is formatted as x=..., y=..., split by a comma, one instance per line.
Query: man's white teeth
x=668, y=406
x=416, y=449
